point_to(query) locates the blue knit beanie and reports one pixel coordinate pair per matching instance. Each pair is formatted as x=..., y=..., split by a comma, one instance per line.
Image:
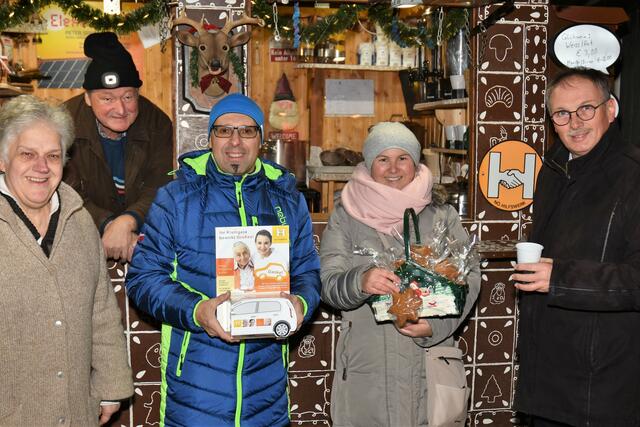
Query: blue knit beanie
x=387, y=135
x=237, y=103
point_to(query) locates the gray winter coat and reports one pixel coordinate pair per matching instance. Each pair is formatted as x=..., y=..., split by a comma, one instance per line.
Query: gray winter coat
x=380, y=376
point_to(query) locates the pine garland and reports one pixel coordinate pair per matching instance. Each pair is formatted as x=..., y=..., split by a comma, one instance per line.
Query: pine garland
x=346, y=17
x=19, y=12
x=238, y=66
x=193, y=67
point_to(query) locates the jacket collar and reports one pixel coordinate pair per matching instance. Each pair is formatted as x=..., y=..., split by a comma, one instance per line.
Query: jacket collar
x=69, y=202
x=55, y=199
x=557, y=157
x=203, y=163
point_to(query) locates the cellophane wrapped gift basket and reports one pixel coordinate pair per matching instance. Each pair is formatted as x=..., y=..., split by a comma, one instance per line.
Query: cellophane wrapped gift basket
x=433, y=276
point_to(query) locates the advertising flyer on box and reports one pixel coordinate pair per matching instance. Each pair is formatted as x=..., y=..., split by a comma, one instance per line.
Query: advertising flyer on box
x=252, y=261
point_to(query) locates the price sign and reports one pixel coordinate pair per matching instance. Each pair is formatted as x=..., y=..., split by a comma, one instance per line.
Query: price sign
x=589, y=46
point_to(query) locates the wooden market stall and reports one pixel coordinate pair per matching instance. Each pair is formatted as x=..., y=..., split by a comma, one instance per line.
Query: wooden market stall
x=507, y=72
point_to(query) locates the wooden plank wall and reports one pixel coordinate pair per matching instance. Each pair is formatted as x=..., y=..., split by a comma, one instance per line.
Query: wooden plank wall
x=308, y=88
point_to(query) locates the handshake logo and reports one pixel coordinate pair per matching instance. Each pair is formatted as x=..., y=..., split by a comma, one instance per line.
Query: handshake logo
x=511, y=178
x=507, y=175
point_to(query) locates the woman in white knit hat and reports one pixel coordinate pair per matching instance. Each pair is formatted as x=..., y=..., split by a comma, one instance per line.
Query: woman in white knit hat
x=380, y=374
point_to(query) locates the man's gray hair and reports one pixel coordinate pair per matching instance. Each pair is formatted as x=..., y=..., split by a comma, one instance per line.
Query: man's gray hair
x=25, y=111
x=598, y=78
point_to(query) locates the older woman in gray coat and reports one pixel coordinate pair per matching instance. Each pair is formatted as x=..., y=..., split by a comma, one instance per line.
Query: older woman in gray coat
x=64, y=358
x=380, y=373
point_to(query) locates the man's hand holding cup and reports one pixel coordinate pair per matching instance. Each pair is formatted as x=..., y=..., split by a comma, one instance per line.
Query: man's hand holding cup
x=533, y=273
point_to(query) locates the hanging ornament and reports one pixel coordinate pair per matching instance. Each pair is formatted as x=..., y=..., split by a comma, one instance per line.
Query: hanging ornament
x=440, y=21
x=276, y=30
x=296, y=24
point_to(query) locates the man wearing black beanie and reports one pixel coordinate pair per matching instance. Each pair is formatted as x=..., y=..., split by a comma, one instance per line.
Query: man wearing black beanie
x=123, y=149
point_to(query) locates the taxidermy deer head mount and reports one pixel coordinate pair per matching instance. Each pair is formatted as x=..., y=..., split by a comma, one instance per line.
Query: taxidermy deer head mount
x=213, y=49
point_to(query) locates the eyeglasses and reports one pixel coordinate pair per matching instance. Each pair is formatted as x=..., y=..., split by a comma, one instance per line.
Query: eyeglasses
x=584, y=112
x=243, y=131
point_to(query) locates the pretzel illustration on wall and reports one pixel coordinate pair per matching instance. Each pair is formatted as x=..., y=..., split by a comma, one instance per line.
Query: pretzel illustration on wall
x=213, y=49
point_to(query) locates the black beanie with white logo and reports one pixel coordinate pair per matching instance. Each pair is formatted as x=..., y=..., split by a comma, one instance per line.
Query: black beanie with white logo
x=111, y=65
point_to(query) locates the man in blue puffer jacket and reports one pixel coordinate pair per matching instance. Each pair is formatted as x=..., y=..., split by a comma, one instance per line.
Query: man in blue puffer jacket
x=208, y=378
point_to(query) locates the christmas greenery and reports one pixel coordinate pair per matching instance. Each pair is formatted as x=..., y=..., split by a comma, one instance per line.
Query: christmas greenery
x=346, y=17
x=20, y=11
x=238, y=66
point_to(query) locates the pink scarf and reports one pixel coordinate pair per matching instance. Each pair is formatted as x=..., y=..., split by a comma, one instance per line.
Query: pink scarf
x=380, y=206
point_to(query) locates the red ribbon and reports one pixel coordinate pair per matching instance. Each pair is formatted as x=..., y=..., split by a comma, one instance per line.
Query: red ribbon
x=207, y=80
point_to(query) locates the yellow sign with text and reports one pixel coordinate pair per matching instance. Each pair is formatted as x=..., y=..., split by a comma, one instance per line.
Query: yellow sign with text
x=508, y=174
x=65, y=35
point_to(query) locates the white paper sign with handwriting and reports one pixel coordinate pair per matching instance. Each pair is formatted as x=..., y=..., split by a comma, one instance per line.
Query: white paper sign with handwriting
x=589, y=46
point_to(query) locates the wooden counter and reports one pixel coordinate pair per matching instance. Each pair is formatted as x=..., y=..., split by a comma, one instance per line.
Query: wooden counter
x=331, y=178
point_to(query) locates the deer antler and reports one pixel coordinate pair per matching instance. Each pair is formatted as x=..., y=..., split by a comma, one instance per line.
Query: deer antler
x=244, y=20
x=183, y=19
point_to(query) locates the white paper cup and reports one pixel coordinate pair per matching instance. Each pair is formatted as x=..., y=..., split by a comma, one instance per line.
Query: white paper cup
x=457, y=81
x=450, y=132
x=528, y=252
x=459, y=131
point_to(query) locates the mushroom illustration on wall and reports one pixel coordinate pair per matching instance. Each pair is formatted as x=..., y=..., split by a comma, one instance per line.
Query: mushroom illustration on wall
x=283, y=112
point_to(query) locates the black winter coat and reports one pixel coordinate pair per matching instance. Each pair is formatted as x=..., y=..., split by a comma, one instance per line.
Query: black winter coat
x=579, y=345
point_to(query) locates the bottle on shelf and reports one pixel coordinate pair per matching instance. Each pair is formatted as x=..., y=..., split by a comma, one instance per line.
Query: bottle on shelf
x=431, y=83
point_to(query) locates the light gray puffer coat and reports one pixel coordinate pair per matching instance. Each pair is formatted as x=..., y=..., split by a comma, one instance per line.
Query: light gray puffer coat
x=380, y=375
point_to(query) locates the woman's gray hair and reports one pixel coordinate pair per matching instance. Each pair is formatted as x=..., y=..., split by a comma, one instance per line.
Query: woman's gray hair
x=26, y=110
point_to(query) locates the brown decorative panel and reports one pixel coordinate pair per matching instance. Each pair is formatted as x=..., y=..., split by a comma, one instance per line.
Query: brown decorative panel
x=510, y=85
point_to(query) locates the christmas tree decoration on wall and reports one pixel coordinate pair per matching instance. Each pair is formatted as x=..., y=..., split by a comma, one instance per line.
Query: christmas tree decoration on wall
x=213, y=49
x=283, y=112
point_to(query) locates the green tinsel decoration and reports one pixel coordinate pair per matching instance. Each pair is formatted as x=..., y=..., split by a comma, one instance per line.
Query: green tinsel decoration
x=19, y=12
x=346, y=17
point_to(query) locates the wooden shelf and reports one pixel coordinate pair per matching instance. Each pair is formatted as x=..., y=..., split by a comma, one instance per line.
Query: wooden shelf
x=443, y=104
x=497, y=249
x=446, y=151
x=313, y=65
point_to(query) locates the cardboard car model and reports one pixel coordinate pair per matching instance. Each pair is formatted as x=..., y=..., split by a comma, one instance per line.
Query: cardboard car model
x=260, y=317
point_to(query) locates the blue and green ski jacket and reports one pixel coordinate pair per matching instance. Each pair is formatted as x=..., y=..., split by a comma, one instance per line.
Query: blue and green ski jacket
x=207, y=381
